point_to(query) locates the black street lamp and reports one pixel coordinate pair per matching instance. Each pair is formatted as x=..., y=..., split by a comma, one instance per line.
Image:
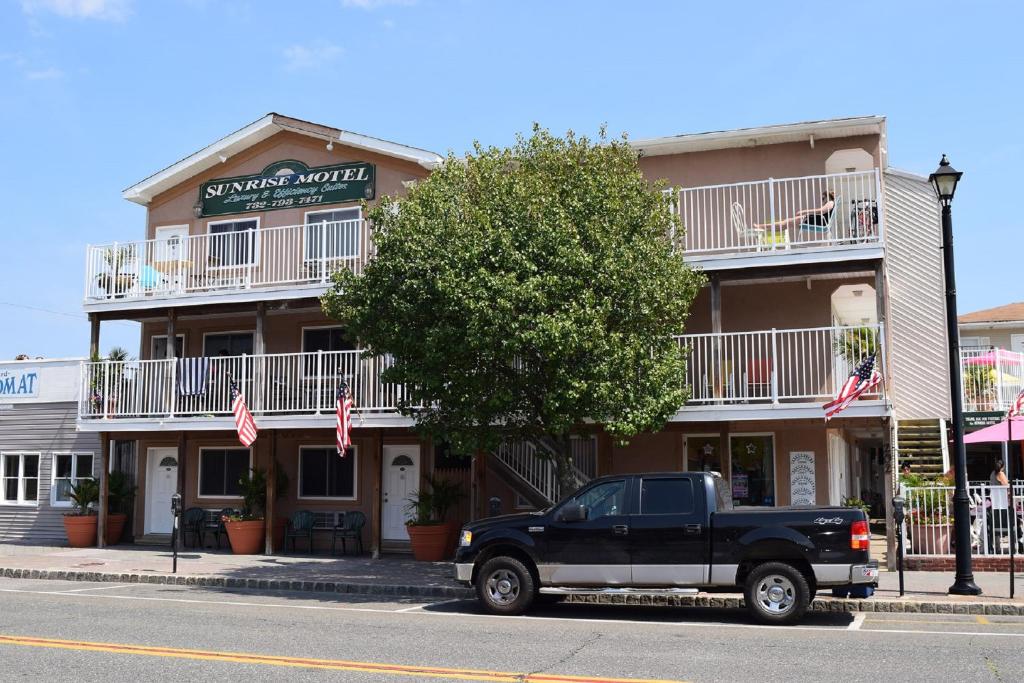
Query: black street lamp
x=944, y=181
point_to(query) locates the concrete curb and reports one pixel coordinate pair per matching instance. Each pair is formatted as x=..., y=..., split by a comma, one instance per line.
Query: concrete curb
x=820, y=604
x=345, y=587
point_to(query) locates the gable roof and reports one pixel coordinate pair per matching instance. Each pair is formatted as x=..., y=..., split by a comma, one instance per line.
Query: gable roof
x=257, y=131
x=1000, y=314
x=763, y=135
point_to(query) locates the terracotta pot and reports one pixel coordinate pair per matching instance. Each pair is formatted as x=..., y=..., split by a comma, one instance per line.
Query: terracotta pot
x=280, y=524
x=81, y=530
x=429, y=541
x=453, y=538
x=247, y=538
x=931, y=539
x=115, y=526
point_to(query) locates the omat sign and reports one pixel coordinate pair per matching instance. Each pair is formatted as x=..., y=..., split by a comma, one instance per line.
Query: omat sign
x=287, y=185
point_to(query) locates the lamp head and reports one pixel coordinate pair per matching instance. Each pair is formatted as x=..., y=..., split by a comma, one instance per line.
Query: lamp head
x=944, y=181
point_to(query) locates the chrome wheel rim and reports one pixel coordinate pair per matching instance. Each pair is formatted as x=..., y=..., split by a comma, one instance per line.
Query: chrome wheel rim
x=776, y=594
x=503, y=586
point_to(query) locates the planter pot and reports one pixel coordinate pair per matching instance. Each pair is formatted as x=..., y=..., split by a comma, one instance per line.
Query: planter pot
x=931, y=539
x=280, y=523
x=81, y=530
x=247, y=538
x=429, y=541
x=453, y=538
x=115, y=527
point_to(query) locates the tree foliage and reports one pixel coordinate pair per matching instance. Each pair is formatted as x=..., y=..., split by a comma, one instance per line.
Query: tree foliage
x=525, y=291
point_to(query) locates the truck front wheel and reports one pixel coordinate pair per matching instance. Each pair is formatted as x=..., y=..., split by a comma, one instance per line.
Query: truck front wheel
x=505, y=586
x=776, y=593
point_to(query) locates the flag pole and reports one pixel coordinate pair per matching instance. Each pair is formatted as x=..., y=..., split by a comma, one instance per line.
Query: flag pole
x=1012, y=503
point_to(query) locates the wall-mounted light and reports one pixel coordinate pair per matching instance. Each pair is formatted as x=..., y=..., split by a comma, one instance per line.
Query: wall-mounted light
x=223, y=159
x=330, y=145
x=197, y=208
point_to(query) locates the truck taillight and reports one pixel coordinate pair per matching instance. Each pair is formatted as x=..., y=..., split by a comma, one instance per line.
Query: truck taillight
x=860, y=537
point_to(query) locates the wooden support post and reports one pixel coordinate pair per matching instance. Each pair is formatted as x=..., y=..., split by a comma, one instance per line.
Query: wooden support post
x=182, y=461
x=377, y=463
x=480, y=483
x=94, y=336
x=725, y=454
x=718, y=378
x=101, y=521
x=268, y=515
x=259, y=347
x=172, y=336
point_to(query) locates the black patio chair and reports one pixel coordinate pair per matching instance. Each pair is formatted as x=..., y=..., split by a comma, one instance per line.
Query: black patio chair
x=351, y=528
x=193, y=522
x=300, y=525
x=219, y=529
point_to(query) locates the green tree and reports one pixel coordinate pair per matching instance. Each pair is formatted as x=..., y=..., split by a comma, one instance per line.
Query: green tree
x=524, y=291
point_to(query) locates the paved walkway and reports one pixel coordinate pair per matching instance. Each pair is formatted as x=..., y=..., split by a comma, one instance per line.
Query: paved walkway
x=401, y=575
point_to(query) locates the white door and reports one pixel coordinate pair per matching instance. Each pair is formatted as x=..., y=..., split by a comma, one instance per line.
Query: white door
x=401, y=479
x=838, y=482
x=170, y=256
x=161, y=484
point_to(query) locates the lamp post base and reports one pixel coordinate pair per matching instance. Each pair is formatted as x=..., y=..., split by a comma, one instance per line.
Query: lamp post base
x=964, y=586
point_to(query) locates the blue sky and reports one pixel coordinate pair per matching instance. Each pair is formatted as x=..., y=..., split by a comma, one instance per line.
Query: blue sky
x=97, y=94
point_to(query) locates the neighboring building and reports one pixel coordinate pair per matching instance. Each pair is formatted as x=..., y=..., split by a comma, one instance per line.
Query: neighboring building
x=41, y=453
x=241, y=238
x=992, y=368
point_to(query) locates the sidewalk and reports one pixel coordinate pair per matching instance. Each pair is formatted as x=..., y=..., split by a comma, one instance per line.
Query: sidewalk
x=402, y=576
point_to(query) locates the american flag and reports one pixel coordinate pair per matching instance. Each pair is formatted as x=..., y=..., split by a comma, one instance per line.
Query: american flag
x=244, y=423
x=343, y=427
x=1017, y=409
x=863, y=378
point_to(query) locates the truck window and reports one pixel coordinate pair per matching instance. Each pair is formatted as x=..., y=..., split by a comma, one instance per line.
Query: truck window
x=666, y=497
x=604, y=499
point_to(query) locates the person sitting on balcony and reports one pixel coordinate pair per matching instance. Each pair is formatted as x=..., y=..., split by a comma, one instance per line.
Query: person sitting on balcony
x=819, y=216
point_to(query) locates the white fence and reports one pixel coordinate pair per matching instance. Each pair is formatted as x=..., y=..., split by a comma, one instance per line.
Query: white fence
x=929, y=519
x=539, y=472
x=764, y=214
x=777, y=365
x=180, y=264
x=288, y=383
x=992, y=378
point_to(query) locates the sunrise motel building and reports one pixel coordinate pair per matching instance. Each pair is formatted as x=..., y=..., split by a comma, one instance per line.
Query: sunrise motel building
x=241, y=238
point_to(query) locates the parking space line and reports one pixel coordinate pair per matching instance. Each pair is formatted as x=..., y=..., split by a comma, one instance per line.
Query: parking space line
x=858, y=621
x=100, y=588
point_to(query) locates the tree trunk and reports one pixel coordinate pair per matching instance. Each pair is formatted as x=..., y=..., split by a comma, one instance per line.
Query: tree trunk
x=559, y=449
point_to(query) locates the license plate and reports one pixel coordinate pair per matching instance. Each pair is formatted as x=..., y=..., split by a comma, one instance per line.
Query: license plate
x=870, y=572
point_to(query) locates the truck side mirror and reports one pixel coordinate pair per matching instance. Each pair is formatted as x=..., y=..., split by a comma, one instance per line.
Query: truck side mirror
x=898, y=504
x=575, y=513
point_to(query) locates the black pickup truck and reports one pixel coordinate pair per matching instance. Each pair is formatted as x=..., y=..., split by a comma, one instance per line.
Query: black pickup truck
x=666, y=533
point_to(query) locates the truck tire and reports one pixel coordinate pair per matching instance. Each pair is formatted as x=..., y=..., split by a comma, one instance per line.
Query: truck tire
x=776, y=593
x=505, y=586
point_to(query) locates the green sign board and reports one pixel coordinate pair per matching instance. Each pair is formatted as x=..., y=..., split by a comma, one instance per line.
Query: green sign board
x=287, y=185
x=975, y=421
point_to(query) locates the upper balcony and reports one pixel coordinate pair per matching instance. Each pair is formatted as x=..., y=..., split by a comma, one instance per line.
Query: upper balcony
x=243, y=265
x=760, y=223
x=992, y=379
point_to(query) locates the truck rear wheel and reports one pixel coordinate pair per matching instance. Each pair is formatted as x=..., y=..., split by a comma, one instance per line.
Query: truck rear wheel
x=776, y=593
x=505, y=586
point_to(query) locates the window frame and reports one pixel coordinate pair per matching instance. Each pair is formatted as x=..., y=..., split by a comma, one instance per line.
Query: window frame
x=355, y=474
x=20, y=500
x=199, y=471
x=251, y=333
x=152, y=345
x=305, y=234
x=702, y=436
x=255, y=242
x=73, y=479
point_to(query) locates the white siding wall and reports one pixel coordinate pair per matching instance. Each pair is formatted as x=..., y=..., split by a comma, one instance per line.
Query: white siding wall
x=44, y=428
x=916, y=322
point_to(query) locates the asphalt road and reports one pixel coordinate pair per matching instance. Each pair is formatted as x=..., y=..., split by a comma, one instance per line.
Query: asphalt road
x=73, y=631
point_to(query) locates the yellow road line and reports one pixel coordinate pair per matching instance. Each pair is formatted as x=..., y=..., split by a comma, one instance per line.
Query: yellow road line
x=980, y=619
x=303, y=662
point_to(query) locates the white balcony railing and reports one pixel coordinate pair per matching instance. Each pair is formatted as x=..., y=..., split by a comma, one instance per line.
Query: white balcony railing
x=287, y=383
x=725, y=218
x=186, y=265
x=992, y=378
x=801, y=365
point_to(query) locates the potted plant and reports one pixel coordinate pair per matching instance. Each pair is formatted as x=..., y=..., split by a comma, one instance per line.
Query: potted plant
x=856, y=344
x=247, y=530
x=928, y=502
x=117, y=279
x=979, y=386
x=120, y=494
x=429, y=533
x=445, y=494
x=108, y=379
x=80, y=523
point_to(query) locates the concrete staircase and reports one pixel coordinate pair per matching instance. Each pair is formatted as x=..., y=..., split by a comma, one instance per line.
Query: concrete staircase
x=921, y=444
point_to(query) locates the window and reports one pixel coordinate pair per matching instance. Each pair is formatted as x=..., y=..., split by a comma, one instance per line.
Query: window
x=328, y=339
x=666, y=497
x=68, y=470
x=607, y=499
x=333, y=234
x=232, y=243
x=325, y=339
x=160, y=346
x=325, y=474
x=702, y=453
x=220, y=470
x=228, y=344
x=19, y=474
x=753, y=469
x=975, y=342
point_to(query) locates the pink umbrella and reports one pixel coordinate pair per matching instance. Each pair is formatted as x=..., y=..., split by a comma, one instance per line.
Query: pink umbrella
x=996, y=356
x=997, y=433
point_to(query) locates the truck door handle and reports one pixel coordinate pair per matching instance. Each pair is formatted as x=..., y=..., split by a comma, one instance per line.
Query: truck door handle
x=692, y=529
x=620, y=530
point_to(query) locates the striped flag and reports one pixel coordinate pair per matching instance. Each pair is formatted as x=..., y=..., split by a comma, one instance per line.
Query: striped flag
x=863, y=378
x=343, y=427
x=1017, y=408
x=244, y=423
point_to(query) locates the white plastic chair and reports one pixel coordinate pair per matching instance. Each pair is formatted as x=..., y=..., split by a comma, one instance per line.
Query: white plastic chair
x=748, y=236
